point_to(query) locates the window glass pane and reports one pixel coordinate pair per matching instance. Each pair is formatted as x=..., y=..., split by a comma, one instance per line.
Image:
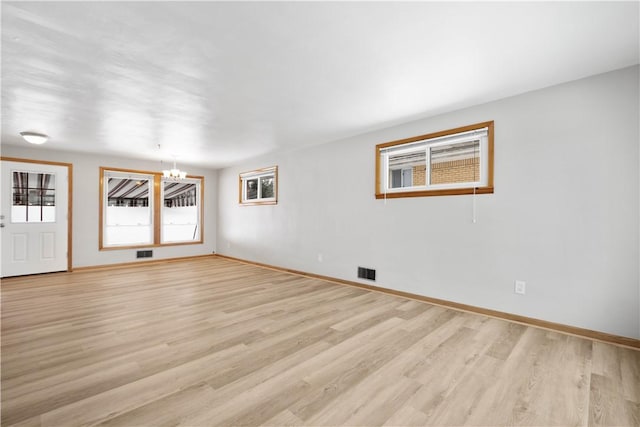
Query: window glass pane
x=407, y=169
x=396, y=178
x=266, y=187
x=180, y=211
x=34, y=180
x=252, y=189
x=20, y=179
x=48, y=206
x=128, y=212
x=20, y=197
x=33, y=197
x=407, y=177
x=455, y=163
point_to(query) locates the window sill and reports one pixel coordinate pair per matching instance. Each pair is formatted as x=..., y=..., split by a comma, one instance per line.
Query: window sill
x=427, y=193
x=258, y=203
x=150, y=245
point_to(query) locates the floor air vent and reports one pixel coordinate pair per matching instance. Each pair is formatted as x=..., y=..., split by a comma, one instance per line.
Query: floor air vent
x=366, y=273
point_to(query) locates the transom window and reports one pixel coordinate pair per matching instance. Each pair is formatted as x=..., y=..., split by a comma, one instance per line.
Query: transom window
x=259, y=186
x=456, y=161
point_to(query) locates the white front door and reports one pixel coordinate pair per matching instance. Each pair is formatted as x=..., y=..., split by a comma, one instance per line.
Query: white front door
x=33, y=218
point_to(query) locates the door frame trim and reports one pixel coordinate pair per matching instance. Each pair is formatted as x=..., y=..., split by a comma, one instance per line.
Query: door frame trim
x=69, y=167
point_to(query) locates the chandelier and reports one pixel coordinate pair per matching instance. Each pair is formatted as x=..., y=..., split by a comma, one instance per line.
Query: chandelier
x=174, y=173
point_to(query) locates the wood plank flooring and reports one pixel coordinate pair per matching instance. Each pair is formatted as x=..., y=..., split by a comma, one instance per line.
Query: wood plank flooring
x=214, y=342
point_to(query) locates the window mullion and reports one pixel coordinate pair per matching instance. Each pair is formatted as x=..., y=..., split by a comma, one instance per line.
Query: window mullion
x=156, y=209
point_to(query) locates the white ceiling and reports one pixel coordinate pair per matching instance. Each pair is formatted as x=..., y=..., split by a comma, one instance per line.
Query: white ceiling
x=215, y=83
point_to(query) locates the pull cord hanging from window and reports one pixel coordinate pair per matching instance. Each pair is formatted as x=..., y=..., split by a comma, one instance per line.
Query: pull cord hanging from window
x=385, y=194
x=475, y=184
x=474, y=205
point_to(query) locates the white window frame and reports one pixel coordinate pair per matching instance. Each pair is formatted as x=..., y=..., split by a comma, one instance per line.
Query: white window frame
x=259, y=174
x=482, y=132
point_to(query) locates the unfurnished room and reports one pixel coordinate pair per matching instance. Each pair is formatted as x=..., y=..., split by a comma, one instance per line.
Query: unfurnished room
x=299, y=213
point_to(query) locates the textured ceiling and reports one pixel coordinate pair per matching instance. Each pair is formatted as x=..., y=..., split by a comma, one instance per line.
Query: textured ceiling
x=215, y=83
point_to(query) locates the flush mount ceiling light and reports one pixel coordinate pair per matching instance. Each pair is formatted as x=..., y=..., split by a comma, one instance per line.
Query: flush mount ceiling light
x=34, y=138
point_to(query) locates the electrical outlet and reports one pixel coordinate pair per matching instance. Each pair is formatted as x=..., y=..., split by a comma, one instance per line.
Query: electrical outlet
x=520, y=287
x=319, y=257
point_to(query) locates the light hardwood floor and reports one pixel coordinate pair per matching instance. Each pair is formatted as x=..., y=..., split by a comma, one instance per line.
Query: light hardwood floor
x=214, y=342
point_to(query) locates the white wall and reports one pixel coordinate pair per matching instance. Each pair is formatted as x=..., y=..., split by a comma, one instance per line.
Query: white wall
x=86, y=199
x=564, y=216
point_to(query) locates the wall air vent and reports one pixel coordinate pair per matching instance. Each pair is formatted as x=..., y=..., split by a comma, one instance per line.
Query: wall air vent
x=144, y=254
x=366, y=273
